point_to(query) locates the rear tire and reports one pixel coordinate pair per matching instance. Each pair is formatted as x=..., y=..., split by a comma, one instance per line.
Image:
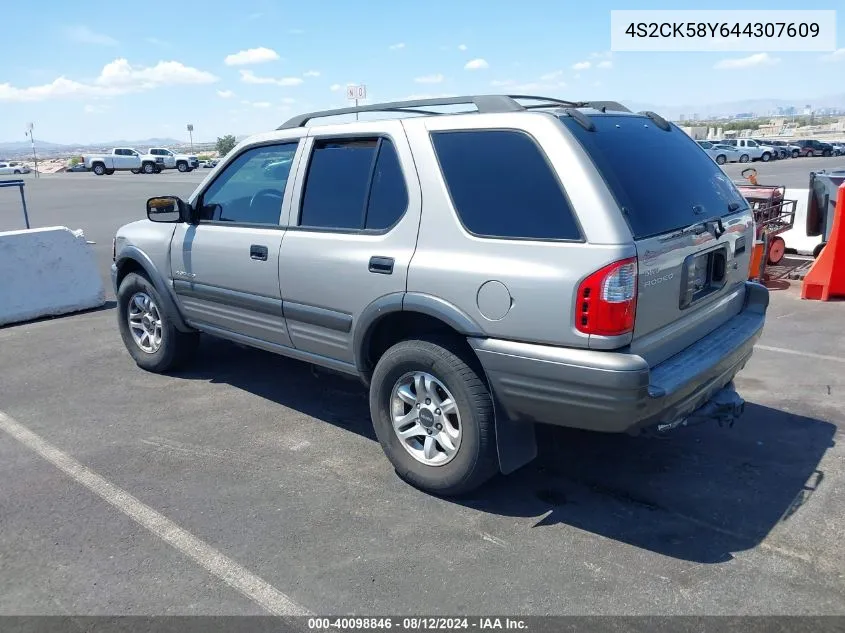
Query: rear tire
x=148, y=168
x=136, y=171
x=795, y=153
x=474, y=459
x=818, y=249
x=109, y=172
x=99, y=169
x=171, y=348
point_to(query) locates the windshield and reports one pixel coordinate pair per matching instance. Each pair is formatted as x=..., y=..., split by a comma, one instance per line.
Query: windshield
x=662, y=180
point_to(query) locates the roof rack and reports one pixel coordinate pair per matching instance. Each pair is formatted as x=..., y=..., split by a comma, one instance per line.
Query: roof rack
x=483, y=104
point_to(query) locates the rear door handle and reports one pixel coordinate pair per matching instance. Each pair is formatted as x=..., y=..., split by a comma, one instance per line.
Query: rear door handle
x=259, y=252
x=381, y=265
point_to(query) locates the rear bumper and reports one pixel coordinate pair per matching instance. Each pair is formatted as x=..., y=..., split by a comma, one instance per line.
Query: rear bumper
x=618, y=392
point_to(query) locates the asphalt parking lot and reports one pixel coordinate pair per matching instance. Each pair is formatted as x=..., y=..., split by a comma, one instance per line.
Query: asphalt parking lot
x=791, y=172
x=267, y=476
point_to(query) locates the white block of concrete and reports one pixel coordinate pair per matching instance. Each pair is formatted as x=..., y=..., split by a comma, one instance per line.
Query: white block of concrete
x=46, y=272
x=797, y=237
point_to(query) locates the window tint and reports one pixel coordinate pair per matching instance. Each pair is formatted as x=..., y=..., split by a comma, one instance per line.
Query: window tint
x=353, y=184
x=388, y=194
x=675, y=187
x=502, y=186
x=250, y=189
x=337, y=183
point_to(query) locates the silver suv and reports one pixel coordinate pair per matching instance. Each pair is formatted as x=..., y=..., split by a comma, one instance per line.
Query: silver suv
x=479, y=271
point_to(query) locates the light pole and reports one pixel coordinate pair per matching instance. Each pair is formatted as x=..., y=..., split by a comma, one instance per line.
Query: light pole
x=191, y=132
x=29, y=133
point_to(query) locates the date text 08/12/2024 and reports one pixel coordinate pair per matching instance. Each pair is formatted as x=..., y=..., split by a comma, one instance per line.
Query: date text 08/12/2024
x=416, y=623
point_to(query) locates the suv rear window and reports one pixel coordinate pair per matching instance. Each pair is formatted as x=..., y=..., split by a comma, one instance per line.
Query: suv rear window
x=502, y=185
x=662, y=180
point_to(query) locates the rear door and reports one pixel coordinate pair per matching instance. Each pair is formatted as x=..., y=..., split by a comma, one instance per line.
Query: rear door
x=352, y=232
x=692, y=229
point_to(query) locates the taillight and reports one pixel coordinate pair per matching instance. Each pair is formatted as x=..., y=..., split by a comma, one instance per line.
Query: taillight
x=607, y=300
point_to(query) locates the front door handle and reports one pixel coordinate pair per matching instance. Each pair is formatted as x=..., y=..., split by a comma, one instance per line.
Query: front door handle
x=256, y=251
x=381, y=265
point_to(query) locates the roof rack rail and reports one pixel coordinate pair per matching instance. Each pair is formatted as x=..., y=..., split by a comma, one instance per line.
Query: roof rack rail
x=483, y=104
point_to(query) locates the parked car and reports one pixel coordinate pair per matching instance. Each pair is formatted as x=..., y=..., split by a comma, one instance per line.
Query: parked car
x=778, y=151
x=838, y=149
x=790, y=150
x=720, y=153
x=737, y=155
x=168, y=159
x=122, y=159
x=480, y=273
x=754, y=150
x=77, y=167
x=811, y=147
x=13, y=168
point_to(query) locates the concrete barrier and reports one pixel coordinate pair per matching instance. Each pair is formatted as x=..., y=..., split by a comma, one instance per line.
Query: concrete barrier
x=46, y=272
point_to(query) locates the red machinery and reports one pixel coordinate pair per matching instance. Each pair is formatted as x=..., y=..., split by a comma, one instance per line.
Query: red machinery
x=773, y=214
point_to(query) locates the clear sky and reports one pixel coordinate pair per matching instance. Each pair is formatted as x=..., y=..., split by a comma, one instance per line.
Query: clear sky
x=88, y=72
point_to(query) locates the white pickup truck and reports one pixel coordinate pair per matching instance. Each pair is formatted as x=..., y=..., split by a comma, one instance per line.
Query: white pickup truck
x=121, y=159
x=154, y=161
x=168, y=159
x=755, y=150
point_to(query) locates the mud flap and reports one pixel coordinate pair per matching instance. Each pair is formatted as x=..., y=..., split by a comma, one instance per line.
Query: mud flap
x=516, y=442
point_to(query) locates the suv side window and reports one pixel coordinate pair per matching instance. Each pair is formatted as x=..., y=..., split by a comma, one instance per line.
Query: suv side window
x=251, y=188
x=503, y=186
x=353, y=184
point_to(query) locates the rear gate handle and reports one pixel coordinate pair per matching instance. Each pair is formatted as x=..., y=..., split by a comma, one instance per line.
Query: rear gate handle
x=381, y=265
x=256, y=251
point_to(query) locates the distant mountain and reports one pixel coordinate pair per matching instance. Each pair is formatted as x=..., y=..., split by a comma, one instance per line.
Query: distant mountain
x=149, y=142
x=761, y=107
x=46, y=146
x=21, y=146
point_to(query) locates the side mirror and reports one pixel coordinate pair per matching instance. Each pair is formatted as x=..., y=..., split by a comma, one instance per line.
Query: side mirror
x=167, y=209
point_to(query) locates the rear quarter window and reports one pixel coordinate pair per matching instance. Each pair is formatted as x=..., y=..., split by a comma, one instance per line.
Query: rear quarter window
x=502, y=185
x=662, y=180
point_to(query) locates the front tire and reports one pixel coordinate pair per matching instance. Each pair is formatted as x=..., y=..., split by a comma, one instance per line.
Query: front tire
x=766, y=157
x=149, y=335
x=433, y=415
x=795, y=153
x=744, y=158
x=721, y=159
x=182, y=167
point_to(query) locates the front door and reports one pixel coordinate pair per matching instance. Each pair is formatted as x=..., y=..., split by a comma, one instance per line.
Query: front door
x=351, y=234
x=226, y=268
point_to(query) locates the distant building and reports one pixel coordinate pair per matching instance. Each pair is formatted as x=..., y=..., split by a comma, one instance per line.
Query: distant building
x=744, y=116
x=699, y=133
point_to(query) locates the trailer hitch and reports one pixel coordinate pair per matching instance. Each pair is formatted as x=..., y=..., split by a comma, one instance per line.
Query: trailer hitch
x=725, y=406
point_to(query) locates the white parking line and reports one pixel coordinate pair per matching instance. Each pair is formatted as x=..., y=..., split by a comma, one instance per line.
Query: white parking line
x=213, y=561
x=795, y=352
